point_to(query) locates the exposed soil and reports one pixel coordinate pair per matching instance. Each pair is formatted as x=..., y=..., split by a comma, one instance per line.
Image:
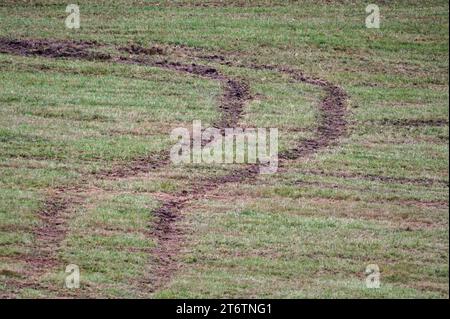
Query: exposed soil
x=331, y=126
x=137, y=49
x=380, y=178
x=411, y=122
x=53, y=49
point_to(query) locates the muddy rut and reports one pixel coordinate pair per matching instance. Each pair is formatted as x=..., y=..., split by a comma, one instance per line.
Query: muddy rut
x=165, y=230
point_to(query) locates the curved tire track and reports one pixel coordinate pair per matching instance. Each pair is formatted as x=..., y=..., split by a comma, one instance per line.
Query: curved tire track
x=331, y=127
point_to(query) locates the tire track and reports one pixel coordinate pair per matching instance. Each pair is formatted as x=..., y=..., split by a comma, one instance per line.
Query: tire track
x=331, y=126
x=56, y=211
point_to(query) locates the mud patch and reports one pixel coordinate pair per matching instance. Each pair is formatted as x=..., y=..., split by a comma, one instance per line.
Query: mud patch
x=53, y=49
x=137, y=49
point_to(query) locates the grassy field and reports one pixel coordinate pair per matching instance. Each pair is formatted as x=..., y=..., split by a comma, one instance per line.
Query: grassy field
x=379, y=196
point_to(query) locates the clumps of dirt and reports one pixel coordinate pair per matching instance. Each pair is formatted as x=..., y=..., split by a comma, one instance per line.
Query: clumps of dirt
x=53, y=48
x=212, y=57
x=137, y=49
x=236, y=93
x=411, y=122
x=192, y=68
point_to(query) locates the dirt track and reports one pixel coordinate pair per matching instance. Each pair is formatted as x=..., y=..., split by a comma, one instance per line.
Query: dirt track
x=56, y=212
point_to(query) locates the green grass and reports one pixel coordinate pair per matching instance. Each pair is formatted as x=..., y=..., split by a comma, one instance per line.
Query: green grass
x=308, y=231
x=315, y=257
